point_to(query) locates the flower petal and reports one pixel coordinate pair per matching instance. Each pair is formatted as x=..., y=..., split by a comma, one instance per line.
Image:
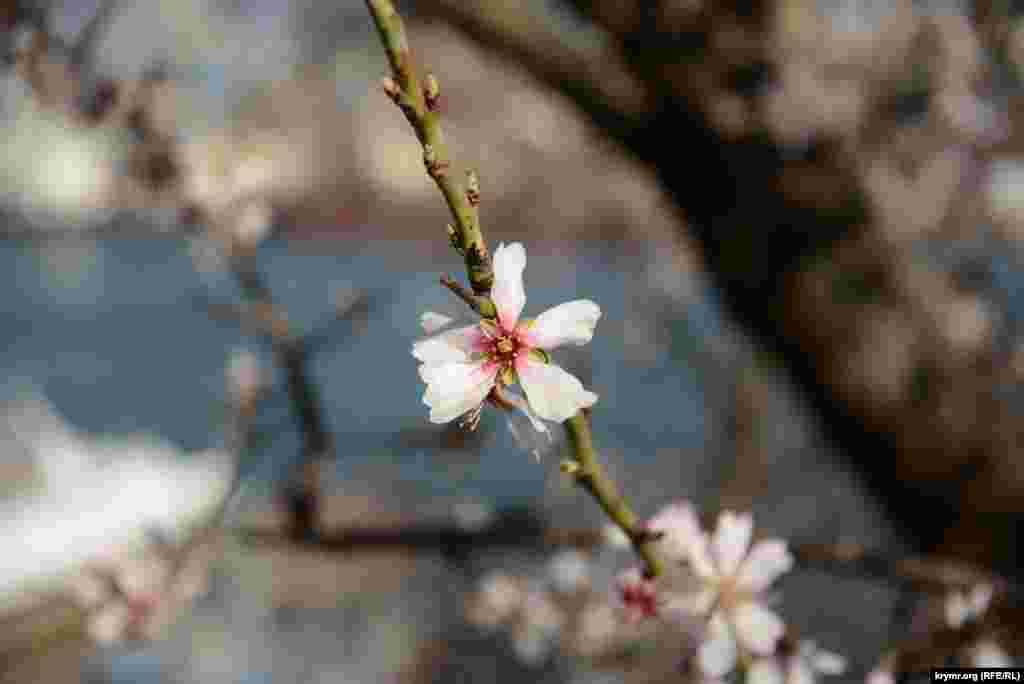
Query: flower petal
x=679, y=527
x=731, y=541
x=457, y=387
x=431, y=321
x=527, y=429
x=553, y=393
x=763, y=565
x=765, y=671
x=757, y=628
x=454, y=345
x=827, y=662
x=507, y=292
x=717, y=654
x=568, y=323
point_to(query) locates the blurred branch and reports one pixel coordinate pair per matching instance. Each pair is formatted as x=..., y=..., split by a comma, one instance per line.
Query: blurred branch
x=302, y=492
x=594, y=74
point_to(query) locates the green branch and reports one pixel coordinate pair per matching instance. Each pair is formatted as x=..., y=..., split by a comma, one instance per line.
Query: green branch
x=418, y=100
x=586, y=468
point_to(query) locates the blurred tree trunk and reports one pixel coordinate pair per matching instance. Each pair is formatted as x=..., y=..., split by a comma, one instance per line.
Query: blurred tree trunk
x=814, y=162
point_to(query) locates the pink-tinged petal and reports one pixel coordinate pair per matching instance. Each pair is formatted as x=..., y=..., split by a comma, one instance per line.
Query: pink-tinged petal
x=763, y=565
x=697, y=603
x=757, y=628
x=679, y=527
x=700, y=559
x=507, y=293
x=553, y=393
x=569, y=323
x=731, y=541
x=717, y=654
x=432, y=322
x=454, y=345
x=455, y=388
x=880, y=676
x=766, y=671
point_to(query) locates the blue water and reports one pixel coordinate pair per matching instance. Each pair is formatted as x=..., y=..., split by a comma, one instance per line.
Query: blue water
x=117, y=336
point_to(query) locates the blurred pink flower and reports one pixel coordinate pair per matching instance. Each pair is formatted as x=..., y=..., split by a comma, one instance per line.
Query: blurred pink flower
x=732, y=577
x=462, y=365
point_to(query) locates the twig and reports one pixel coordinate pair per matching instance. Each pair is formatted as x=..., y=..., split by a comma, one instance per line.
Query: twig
x=418, y=101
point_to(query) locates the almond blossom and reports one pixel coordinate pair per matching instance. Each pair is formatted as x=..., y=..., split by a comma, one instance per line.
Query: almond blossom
x=720, y=578
x=734, y=576
x=461, y=366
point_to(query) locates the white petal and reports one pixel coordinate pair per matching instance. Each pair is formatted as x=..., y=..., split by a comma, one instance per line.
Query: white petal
x=731, y=541
x=700, y=559
x=800, y=672
x=680, y=529
x=757, y=628
x=507, y=292
x=763, y=565
x=880, y=676
x=980, y=598
x=765, y=671
x=454, y=345
x=829, y=663
x=529, y=432
x=717, y=654
x=431, y=321
x=553, y=393
x=110, y=625
x=455, y=388
x=569, y=323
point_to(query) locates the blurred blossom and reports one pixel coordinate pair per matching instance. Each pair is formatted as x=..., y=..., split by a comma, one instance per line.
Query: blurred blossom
x=472, y=514
x=569, y=571
x=104, y=497
x=988, y=653
x=57, y=170
x=614, y=537
x=1006, y=190
x=246, y=376
x=497, y=599
x=538, y=629
x=253, y=224
x=880, y=676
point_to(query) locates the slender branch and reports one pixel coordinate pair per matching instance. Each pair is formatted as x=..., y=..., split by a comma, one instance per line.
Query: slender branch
x=591, y=475
x=418, y=100
x=302, y=494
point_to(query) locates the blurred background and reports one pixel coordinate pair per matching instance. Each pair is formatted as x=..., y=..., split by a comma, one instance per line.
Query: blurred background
x=801, y=221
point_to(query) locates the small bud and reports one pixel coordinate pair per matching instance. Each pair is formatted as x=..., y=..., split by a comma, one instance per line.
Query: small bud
x=473, y=188
x=435, y=166
x=391, y=88
x=453, y=239
x=431, y=92
x=569, y=467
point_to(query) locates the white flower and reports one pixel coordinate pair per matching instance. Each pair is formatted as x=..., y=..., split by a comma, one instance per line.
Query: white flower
x=461, y=366
x=732, y=576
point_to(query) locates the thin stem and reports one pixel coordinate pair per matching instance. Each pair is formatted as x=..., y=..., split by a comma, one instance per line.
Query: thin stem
x=418, y=101
x=419, y=104
x=591, y=475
